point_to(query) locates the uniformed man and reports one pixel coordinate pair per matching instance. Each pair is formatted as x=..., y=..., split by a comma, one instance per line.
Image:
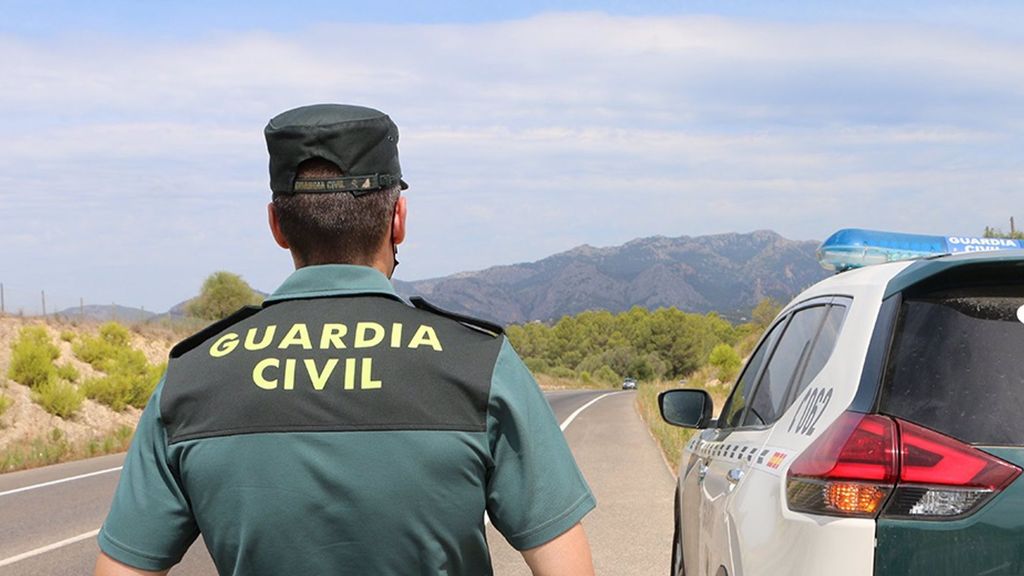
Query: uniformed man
x=336, y=429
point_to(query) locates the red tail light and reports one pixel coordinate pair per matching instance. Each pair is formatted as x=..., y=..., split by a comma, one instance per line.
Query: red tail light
x=866, y=464
x=849, y=470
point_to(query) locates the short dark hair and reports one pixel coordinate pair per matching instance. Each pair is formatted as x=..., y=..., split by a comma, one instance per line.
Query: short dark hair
x=335, y=227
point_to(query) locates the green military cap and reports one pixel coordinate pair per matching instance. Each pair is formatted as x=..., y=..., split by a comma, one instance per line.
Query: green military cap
x=361, y=141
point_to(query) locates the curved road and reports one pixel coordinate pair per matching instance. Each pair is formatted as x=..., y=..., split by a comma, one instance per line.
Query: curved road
x=50, y=515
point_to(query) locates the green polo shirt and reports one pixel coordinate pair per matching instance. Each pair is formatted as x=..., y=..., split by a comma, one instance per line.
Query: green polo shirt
x=338, y=430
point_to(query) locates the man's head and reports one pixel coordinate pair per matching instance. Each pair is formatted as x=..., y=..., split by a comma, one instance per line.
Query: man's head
x=335, y=177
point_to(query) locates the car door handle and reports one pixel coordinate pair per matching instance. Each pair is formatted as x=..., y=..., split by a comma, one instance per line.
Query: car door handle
x=734, y=475
x=702, y=471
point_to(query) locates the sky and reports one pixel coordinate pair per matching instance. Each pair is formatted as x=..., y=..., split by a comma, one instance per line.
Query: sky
x=133, y=165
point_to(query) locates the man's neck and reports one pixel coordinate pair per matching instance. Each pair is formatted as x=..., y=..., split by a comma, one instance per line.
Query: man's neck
x=384, y=263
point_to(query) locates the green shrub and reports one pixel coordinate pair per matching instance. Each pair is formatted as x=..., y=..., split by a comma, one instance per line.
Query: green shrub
x=222, y=293
x=68, y=372
x=67, y=335
x=32, y=356
x=606, y=375
x=562, y=372
x=117, y=441
x=128, y=386
x=726, y=362
x=537, y=365
x=58, y=398
x=114, y=390
x=104, y=351
x=5, y=403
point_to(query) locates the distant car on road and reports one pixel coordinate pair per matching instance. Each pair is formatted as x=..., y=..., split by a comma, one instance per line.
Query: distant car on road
x=629, y=384
x=875, y=430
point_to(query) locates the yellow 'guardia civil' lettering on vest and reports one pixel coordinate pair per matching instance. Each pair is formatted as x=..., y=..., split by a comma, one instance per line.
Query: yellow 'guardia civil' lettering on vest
x=273, y=373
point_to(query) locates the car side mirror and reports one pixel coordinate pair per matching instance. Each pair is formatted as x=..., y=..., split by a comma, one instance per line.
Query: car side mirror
x=688, y=408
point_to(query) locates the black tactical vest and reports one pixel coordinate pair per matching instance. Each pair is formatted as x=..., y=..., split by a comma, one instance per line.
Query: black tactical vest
x=366, y=362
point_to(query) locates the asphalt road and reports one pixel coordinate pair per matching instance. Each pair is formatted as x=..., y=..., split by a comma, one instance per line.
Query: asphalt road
x=49, y=516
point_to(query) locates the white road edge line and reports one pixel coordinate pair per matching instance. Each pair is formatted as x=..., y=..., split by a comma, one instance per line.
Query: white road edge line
x=48, y=548
x=61, y=481
x=584, y=407
x=565, y=425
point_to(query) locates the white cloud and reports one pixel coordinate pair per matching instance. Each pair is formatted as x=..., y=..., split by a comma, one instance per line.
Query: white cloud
x=520, y=138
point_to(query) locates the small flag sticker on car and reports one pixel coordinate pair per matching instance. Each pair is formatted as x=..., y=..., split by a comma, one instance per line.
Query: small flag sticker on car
x=776, y=460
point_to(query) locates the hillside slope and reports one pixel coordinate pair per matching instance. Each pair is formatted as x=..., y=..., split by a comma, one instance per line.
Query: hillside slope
x=24, y=424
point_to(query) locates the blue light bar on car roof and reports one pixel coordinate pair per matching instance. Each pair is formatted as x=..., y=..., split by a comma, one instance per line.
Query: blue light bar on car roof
x=856, y=248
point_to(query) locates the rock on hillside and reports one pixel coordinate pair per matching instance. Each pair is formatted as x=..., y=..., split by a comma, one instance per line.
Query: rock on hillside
x=725, y=273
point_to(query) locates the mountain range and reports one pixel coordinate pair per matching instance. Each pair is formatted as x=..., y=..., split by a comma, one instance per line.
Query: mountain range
x=724, y=273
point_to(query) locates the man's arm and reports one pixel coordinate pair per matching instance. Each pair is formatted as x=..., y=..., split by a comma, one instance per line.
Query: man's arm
x=566, y=555
x=107, y=566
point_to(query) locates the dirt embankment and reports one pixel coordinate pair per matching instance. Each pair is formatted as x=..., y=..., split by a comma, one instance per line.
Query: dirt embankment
x=25, y=421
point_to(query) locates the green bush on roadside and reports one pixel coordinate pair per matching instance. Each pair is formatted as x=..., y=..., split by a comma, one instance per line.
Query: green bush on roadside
x=32, y=356
x=562, y=372
x=726, y=362
x=130, y=379
x=67, y=335
x=117, y=441
x=606, y=375
x=58, y=397
x=5, y=403
x=68, y=372
x=123, y=388
x=104, y=351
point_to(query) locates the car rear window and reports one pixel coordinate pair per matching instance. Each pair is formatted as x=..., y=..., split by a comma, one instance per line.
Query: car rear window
x=957, y=364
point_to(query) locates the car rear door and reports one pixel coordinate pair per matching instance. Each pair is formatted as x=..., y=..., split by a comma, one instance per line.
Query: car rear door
x=956, y=367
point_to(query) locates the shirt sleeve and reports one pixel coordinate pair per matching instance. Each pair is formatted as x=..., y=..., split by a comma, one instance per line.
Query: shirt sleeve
x=150, y=524
x=535, y=491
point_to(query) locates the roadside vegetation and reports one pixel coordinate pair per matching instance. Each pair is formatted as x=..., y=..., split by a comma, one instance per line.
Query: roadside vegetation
x=52, y=371
x=129, y=378
x=604, y=348
x=54, y=448
x=717, y=377
x=33, y=357
x=222, y=294
x=663, y=349
x=5, y=403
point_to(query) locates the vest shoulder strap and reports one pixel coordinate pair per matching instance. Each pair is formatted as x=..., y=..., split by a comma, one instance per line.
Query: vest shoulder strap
x=474, y=323
x=203, y=335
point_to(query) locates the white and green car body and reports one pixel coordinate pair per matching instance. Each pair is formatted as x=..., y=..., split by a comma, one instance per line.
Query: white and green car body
x=877, y=429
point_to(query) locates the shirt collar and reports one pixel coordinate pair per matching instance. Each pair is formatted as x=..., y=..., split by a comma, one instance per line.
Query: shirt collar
x=333, y=280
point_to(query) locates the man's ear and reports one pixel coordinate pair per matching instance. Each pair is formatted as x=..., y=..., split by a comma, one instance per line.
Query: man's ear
x=398, y=223
x=275, y=227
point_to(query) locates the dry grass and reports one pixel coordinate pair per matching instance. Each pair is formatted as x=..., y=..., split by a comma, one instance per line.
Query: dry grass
x=672, y=439
x=54, y=448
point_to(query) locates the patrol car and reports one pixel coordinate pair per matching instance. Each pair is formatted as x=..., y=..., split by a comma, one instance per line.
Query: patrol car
x=877, y=428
